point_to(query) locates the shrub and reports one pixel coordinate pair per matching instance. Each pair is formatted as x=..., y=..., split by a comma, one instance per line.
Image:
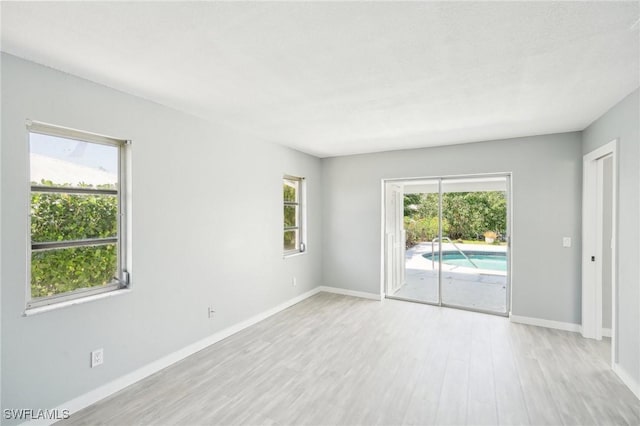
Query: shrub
x=422, y=230
x=63, y=217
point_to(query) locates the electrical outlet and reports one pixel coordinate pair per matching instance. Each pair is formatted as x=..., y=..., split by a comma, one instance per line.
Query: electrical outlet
x=97, y=357
x=210, y=312
x=294, y=282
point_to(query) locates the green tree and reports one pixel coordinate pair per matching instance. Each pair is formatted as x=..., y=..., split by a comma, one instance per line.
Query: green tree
x=466, y=215
x=412, y=204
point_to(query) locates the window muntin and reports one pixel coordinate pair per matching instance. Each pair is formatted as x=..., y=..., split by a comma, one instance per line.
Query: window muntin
x=293, y=208
x=77, y=220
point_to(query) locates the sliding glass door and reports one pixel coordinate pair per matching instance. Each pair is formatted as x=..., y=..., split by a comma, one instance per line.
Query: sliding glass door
x=455, y=248
x=421, y=201
x=474, y=248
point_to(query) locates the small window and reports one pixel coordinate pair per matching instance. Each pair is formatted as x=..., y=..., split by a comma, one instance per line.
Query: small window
x=293, y=215
x=77, y=214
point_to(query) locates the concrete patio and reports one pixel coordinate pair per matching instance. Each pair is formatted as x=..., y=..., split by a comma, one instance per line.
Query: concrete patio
x=461, y=286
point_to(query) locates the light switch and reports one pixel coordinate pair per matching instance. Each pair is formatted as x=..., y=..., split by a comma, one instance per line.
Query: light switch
x=566, y=241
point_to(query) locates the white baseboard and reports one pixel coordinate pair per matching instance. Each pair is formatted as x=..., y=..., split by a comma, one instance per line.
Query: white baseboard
x=120, y=383
x=353, y=293
x=627, y=380
x=558, y=325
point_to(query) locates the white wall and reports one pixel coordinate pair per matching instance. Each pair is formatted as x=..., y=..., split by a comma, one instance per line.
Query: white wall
x=207, y=219
x=207, y=230
x=547, y=176
x=622, y=122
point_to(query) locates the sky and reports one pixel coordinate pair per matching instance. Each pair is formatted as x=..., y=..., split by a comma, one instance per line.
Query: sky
x=96, y=156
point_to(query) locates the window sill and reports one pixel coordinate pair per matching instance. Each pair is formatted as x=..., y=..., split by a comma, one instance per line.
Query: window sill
x=60, y=305
x=296, y=254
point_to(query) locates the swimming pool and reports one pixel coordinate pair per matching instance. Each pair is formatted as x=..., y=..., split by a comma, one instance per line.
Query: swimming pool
x=495, y=261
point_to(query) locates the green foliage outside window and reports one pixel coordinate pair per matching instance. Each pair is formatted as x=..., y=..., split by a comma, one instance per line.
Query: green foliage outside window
x=423, y=229
x=289, y=240
x=63, y=270
x=65, y=217
x=289, y=193
x=465, y=215
x=291, y=215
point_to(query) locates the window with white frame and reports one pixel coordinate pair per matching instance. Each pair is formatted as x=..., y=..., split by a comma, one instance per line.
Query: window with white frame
x=77, y=214
x=293, y=197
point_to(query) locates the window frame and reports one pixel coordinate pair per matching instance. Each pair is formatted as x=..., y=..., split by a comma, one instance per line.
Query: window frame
x=122, y=278
x=300, y=203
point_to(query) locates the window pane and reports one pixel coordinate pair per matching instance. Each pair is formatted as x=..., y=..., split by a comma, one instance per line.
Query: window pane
x=61, y=217
x=68, y=269
x=290, y=216
x=291, y=240
x=291, y=190
x=56, y=161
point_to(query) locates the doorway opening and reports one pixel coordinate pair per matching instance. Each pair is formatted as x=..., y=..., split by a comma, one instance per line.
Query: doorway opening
x=599, y=293
x=447, y=241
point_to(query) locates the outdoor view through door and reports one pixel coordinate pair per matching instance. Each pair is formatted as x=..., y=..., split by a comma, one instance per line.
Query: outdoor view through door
x=455, y=248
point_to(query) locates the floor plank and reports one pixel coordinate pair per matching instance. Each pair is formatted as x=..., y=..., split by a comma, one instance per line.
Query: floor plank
x=338, y=360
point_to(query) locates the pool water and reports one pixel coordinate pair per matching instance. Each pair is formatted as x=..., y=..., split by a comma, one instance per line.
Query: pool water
x=482, y=260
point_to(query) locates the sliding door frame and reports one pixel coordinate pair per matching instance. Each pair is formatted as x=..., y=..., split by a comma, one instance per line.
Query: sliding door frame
x=508, y=177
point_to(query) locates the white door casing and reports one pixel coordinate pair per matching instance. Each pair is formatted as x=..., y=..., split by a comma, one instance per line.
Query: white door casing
x=593, y=244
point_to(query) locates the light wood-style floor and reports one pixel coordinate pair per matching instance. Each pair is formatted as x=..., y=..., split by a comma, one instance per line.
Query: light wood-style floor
x=337, y=360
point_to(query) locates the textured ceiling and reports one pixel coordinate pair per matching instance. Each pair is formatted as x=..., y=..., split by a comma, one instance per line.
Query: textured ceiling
x=341, y=78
